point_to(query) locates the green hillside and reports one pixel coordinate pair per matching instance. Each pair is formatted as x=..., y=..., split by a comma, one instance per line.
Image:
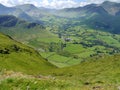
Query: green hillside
x=18, y=57
x=99, y=72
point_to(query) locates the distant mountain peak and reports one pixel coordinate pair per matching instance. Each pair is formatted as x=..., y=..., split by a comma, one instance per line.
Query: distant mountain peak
x=111, y=7
x=90, y=6
x=2, y=6
x=109, y=3
x=27, y=6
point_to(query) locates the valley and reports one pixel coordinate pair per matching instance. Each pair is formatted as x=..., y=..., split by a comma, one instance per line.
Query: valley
x=66, y=49
x=53, y=45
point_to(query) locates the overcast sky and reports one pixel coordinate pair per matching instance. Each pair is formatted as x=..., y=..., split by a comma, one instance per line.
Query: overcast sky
x=58, y=4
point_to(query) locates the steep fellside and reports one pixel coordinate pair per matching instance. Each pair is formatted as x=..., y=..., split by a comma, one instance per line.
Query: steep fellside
x=18, y=57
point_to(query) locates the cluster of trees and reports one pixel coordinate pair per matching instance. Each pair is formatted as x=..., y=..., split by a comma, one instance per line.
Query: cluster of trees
x=12, y=48
x=56, y=47
x=4, y=51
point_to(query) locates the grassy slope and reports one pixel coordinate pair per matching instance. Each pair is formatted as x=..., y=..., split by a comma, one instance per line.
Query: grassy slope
x=10, y=80
x=18, y=57
x=99, y=73
x=102, y=70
